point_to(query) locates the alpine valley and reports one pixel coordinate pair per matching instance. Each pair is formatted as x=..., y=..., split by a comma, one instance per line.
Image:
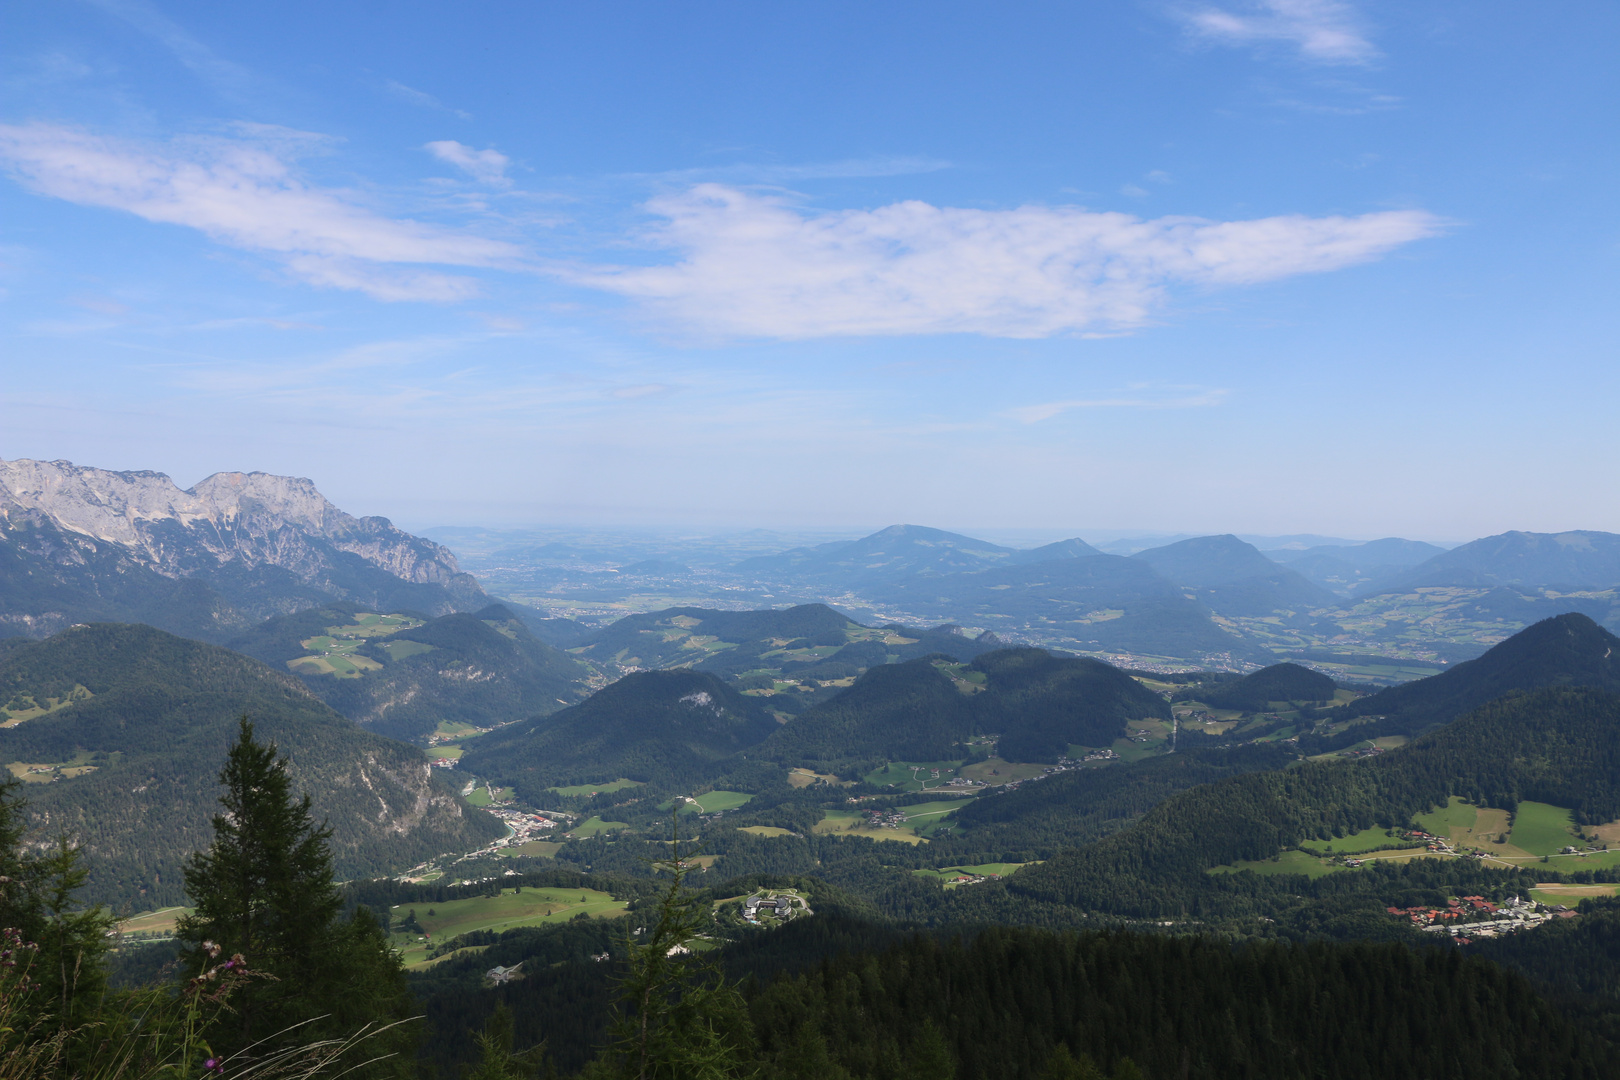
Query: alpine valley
x=1255, y=777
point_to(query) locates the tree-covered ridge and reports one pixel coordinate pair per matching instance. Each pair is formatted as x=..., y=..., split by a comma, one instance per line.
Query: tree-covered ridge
x=927, y=709
x=1566, y=650
x=484, y=668
x=1279, y=682
x=154, y=734
x=666, y=727
x=1554, y=746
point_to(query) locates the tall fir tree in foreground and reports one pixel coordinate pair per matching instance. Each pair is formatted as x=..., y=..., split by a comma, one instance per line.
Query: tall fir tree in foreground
x=264, y=889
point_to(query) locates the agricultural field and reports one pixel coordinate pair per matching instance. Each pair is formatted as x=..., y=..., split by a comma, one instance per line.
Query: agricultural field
x=512, y=908
x=929, y=818
x=994, y=771
x=333, y=653
x=594, y=826
x=24, y=707
x=586, y=790
x=1540, y=829
x=850, y=823
x=1288, y=862
x=712, y=802
x=1366, y=840
x=532, y=849
x=767, y=830
x=948, y=874
x=1553, y=892
x=913, y=775
x=806, y=777
x=152, y=925
x=44, y=772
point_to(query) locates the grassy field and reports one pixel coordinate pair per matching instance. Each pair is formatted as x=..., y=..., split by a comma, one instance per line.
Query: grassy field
x=595, y=825
x=449, y=750
x=159, y=923
x=713, y=801
x=23, y=707
x=1540, y=829
x=927, y=818
x=1569, y=895
x=767, y=830
x=995, y=771
x=595, y=789
x=333, y=653
x=806, y=777
x=531, y=907
x=399, y=650
x=485, y=796
x=849, y=823
x=1365, y=840
x=532, y=849
x=1289, y=862
x=1455, y=820
x=948, y=873
x=913, y=775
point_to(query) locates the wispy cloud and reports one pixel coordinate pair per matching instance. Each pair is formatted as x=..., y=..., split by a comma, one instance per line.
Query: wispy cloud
x=1325, y=31
x=421, y=98
x=1139, y=396
x=488, y=166
x=756, y=265
x=754, y=172
x=222, y=74
x=243, y=192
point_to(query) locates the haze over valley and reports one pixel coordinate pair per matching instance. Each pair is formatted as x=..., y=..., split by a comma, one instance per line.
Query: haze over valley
x=616, y=541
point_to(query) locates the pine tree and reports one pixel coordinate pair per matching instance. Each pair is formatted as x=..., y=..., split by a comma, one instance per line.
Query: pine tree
x=264, y=889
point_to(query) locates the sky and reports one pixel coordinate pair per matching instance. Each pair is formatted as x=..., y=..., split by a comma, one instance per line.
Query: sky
x=1261, y=266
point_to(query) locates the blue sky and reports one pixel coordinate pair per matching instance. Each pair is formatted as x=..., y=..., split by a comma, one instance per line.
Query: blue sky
x=1281, y=266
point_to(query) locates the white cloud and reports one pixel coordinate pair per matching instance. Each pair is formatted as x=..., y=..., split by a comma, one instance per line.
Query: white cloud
x=421, y=98
x=488, y=166
x=242, y=192
x=755, y=265
x=1326, y=31
x=1134, y=397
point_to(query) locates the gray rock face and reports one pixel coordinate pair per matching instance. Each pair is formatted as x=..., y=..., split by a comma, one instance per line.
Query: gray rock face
x=264, y=544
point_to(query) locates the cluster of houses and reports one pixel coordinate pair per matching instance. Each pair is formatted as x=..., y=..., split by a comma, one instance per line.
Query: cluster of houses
x=1475, y=917
x=885, y=819
x=1100, y=755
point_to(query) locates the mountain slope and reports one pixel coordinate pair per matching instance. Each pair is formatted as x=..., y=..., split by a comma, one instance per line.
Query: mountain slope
x=1041, y=704
x=1233, y=577
x=1567, y=650
x=896, y=552
x=483, y=669
x=924, y=710
x=1279, y=682
x=140, y=720
x=1346, y=569
x=1101, y=602
x=1569, y=559
x=662, y=727
x=1556, y=746
x=83, y=543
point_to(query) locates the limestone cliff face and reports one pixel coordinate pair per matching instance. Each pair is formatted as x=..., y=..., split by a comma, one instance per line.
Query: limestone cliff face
x=234, y=531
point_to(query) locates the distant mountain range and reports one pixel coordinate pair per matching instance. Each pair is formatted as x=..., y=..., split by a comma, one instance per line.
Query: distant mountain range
x=83, y=544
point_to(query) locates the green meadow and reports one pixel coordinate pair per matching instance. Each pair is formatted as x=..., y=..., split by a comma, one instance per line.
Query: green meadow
x=512, y=908
x=588, y=790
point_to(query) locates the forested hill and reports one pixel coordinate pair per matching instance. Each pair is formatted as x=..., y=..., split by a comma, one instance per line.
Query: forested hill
x=129, y=726
x=484, y=669
x=1567, y=650
x=1277, y=683
x=924, y=710
x=1554, y=746
x=665, y=727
